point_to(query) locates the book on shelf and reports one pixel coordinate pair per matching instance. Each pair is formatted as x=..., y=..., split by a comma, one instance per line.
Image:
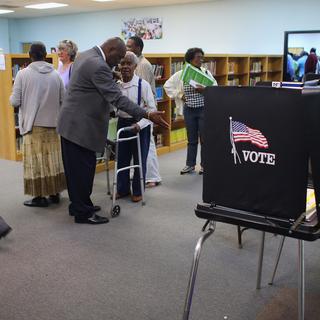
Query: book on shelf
x=158, y=71
x=178, y=135
x=195, y=75
x=256, y=67
x=234, y=82
x=173, y=136
x=16, y=68
x=211, y=66
x=254, y=80
x=158, y=140
x=16, y=118
x=231, y=67
x=176, y=66
x=19, y=143
x=159, y=93
x=173, y=113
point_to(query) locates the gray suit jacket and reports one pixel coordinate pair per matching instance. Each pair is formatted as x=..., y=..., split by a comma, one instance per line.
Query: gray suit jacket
x=84, y=115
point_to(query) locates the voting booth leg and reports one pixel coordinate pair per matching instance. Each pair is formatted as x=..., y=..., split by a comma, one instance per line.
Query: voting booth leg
x=239, y=237
x=194, y=269
x=263, y=236
x=301, y=300
x=240, y=232
x=277, y=260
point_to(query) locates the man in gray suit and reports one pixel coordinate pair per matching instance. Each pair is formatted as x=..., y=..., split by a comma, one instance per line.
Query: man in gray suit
x=83, y=122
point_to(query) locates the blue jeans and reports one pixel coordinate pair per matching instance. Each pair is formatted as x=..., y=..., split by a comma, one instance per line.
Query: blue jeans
x=193, y=118
x=128, y=150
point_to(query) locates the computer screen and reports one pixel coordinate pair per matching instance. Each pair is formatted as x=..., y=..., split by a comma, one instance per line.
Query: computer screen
x=298, y=46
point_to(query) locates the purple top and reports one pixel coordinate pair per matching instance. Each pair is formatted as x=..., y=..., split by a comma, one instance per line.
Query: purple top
x=65, y=74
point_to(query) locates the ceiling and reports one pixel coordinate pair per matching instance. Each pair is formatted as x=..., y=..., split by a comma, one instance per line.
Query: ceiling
x=77, y=6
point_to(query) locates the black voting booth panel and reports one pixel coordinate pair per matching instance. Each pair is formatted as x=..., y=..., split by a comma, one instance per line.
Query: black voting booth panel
x=256, y=147
x=257, y=143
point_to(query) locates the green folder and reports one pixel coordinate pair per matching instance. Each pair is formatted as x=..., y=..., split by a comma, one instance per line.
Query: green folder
x=112, y=130
x=195, y=75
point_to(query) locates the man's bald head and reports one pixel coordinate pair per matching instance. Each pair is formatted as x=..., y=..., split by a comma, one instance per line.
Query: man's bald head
x=115, y=50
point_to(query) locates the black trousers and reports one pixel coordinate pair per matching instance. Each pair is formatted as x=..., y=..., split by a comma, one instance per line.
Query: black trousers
x=79, y=167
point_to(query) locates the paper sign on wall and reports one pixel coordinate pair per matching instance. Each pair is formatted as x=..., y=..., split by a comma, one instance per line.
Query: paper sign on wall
x=2, y=62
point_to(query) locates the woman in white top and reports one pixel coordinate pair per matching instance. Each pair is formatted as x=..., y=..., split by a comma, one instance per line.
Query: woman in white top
x=67, y=51
x=192, y=100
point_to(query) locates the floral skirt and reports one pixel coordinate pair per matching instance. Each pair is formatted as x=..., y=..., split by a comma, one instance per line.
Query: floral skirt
x=42, y=163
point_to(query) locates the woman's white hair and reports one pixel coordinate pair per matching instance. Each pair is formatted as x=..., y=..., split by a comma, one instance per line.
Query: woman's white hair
x=71, y=48
x=131, y=57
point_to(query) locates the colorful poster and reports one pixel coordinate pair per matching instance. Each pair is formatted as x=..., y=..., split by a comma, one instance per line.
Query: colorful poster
x=145, y=28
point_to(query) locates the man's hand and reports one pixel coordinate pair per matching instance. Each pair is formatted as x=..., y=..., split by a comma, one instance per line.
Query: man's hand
x=135, y=128
x=156, y=117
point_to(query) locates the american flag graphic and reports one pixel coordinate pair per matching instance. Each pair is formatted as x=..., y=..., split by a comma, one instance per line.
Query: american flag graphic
x=242, y=133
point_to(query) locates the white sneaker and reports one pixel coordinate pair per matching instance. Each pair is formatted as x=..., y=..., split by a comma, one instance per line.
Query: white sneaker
x=187, y=169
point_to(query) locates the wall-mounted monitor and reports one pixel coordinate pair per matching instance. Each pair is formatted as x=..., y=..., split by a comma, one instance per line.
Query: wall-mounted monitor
x=297, y=47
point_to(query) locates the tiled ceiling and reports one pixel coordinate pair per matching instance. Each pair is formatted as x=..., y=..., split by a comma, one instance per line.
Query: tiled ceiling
x=77, y=6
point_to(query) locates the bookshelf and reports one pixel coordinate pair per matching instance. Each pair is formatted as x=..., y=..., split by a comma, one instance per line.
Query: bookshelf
x=274, y=68
x=257, y=69
x=242, y=70
x=218, y=66
x=162, y=70
x=227, y=69
x=10, y=139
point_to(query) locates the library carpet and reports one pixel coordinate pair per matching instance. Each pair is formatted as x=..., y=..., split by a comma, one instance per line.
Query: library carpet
x=137, y=266
x=284, y=306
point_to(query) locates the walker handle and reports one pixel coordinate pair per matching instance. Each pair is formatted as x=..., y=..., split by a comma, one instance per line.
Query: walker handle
x=110, y=143
x=129, y=129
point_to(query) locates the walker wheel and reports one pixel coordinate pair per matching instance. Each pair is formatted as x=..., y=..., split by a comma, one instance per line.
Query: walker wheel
x=115, y=211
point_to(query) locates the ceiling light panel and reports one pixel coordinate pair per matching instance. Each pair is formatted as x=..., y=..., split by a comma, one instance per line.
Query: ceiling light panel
x=2, y=11
x=49, y=5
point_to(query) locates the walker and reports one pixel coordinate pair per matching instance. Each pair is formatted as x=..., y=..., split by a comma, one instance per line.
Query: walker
x=109, y=149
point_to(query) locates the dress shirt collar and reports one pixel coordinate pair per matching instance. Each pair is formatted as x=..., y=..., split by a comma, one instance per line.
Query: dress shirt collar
x=134, y=82
x=103, y=55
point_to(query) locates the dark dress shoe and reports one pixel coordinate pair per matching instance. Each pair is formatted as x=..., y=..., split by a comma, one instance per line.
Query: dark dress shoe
x=4, y=228
x=95, y=209
x=95, y=219
x=55, y=198
x=37, y=202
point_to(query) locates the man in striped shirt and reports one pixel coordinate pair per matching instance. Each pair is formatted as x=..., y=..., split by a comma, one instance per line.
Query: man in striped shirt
x=144, y=70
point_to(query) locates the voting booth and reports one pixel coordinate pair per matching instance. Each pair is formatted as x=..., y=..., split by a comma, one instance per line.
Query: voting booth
x=258, y=142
